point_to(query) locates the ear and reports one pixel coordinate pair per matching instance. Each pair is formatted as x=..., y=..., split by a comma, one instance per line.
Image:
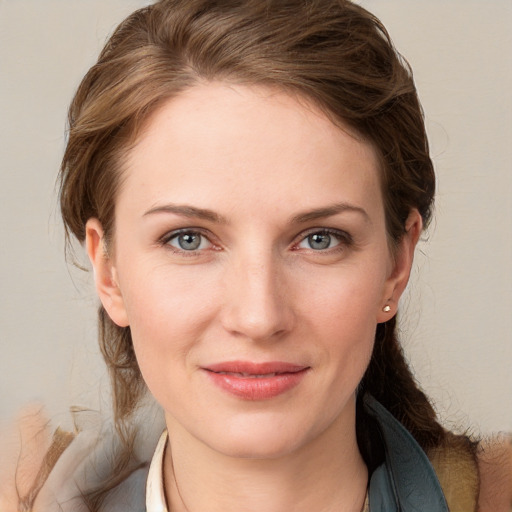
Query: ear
x=401, y=270
x=105, y=275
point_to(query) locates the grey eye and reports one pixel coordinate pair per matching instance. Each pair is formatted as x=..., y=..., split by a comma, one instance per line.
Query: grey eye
x=319, y=241
x=189, y=241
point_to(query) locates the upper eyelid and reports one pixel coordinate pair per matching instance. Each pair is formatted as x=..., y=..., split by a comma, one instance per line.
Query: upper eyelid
x=169, y=235
x=331, y=231
x=194, y=229
x=345, y=240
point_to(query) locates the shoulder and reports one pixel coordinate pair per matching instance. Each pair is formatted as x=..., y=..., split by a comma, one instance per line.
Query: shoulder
x=480, y=480
x=456, y=467
x=495, y=468
x=53, y=470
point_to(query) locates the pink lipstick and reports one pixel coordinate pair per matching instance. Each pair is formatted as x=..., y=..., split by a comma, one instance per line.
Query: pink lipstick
x=256, y=381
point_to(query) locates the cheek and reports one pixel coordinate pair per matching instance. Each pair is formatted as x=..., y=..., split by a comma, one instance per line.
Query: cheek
x=350, y=296
x=341, y=315
x=166, y=298
x=167, y=311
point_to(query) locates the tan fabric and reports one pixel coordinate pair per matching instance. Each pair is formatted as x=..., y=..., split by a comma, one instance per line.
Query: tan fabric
x=61, y=440
x=28, y=453
x=495, y=466
x=457, y=471
x=366, y=505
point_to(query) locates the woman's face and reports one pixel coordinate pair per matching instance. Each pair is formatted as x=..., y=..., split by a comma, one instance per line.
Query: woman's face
x=252, y=265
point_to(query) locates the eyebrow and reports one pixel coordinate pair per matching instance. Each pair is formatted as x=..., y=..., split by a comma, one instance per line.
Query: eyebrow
x=188, y=211
x=301, y=218
x=329, y=211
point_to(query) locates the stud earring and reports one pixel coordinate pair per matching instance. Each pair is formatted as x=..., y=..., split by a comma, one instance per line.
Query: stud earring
x=386, y=308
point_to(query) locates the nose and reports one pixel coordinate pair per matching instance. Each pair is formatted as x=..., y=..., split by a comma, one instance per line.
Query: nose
x=256, y=305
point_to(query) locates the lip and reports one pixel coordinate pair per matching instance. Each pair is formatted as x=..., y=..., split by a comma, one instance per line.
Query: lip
x=256, y=381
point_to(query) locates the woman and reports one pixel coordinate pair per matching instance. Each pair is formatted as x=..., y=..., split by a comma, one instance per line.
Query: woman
x=250, y=180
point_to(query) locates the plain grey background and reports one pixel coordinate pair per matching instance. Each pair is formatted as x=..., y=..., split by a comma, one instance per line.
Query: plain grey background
x=457, y=327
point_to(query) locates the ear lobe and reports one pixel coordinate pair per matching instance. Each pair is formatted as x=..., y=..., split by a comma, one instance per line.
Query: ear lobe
x=397, y=281
x=104, y=273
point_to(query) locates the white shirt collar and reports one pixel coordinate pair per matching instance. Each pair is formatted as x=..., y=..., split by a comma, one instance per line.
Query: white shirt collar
x=155, y=495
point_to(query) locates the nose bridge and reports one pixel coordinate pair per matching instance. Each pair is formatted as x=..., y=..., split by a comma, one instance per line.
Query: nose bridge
x=256, y=306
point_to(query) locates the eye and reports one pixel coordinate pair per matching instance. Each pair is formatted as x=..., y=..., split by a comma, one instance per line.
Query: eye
x=322, y=240
x=188, y=241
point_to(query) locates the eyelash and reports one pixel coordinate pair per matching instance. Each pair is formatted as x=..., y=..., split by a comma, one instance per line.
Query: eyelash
x=344, y=238
x=166, y=239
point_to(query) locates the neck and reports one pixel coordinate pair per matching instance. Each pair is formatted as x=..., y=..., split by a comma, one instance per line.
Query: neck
x=327, y=474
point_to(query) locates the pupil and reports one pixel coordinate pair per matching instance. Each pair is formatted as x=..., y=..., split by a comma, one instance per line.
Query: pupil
x=189, y=241
x=319, y=241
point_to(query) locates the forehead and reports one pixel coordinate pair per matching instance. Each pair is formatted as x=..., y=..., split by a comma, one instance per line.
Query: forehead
x=251, y=143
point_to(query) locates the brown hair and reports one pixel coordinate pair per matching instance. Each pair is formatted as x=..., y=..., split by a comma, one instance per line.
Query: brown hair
x=332, y=52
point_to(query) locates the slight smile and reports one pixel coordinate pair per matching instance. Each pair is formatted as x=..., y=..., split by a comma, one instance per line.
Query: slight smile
x=256, y=381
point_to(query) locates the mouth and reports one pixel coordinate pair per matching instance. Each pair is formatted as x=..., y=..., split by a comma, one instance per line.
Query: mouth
x=244, y=375
x=256, y=381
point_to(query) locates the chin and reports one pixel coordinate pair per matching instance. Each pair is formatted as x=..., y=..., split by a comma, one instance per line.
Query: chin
x=258, y=438
x=255, y=448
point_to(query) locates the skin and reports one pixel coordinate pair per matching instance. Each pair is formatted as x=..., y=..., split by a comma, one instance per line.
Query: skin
x=271, y=170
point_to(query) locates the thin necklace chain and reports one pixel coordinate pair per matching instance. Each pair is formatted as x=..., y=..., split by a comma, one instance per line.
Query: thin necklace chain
x=366, y=504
